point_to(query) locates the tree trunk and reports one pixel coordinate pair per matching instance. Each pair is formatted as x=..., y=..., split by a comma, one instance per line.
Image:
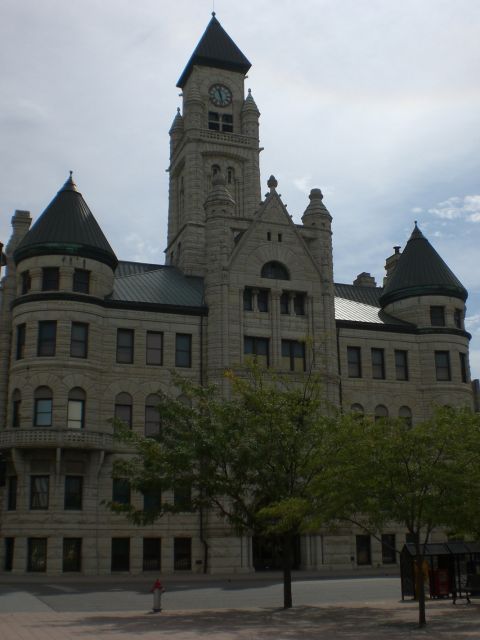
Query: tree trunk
x=420, y=587
x=287, y=571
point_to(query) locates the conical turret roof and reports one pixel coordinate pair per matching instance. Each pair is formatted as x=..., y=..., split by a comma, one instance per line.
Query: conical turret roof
x=421, y=271
x=67, y=226
x=215, y=49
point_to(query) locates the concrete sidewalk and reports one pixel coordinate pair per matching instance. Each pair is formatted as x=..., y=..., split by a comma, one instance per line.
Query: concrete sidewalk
x=379, y=621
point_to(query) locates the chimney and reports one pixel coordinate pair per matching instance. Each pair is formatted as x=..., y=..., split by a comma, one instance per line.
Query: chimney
x=391, y=264
x=364, y=279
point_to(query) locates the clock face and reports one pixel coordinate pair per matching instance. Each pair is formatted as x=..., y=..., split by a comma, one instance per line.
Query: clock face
x=220, y=95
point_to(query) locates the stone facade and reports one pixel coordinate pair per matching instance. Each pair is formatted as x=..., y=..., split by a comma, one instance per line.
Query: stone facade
x=84, y=337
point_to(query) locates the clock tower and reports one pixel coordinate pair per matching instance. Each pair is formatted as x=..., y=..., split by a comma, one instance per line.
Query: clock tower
x=216, y=132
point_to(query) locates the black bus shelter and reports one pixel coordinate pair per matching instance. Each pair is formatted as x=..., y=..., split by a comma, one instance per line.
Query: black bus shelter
x=450, y=569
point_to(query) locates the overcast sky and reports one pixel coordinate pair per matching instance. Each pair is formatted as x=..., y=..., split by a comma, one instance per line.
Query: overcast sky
x=377, y=102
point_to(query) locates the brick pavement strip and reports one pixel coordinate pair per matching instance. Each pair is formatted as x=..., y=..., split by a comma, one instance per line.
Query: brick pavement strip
x=379, y=621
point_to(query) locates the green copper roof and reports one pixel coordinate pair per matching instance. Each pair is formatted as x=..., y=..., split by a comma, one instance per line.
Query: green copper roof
x=215, y=49
x=67, y=226
x=421, y=271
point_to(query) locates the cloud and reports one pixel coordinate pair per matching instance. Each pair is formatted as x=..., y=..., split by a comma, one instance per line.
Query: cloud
x=472, y=323
x=467, y=207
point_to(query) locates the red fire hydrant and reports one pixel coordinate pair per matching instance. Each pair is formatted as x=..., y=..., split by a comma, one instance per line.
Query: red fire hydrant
x=157, y=591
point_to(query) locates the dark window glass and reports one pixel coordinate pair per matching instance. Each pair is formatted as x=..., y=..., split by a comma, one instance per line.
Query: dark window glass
x=73, y=493
x=152, y=554
x=354, y=362
x=16, y=408
x=275, y=270
x=9, y=552
x=357, y=410
x=247, y=299
x=463, y=367
x=364, y=555
x=401, y=364
x=47, y=338
x=120, y=560
x=72, y=554
x=213, y=121
x=121, y=491
x=123, y=408
x=21, y=335
x=43, y=407
x=152, y=499
x=39, y=492
x=154, y=347
x=285, y=303
x=182, y=554
x=293, y=355
x=378, y=364
x=26, y=282
x=299, y=304
x=152, y=416
x=258, y=348
x=183, y=350
x=458, y=318
x=37, y=554
x=125, y=340
x=79, y=340
x=381, y=412
x=262, y=300
x=227, y=122
x=12, y=493
x=81, y=280
x=182, y=497
x=405, y=414
x=50, y=278
x=389, y=555
x=76, y=409
x=437, y=316
x=442, y=365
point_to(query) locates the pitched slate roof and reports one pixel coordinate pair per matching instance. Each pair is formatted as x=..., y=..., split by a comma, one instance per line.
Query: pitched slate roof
x=215, y=49
x=67, y=226
x=361, y=304
x=421, y=271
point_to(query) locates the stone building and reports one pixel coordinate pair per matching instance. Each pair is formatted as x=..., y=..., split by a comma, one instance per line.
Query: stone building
x=85, y=336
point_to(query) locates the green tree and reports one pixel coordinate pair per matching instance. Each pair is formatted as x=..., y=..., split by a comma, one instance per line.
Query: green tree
x=422, y=477
x=252, y=458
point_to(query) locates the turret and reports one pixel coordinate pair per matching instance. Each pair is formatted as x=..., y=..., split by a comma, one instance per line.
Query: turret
x=176, y=132
x=250, y=115
x=318, y=221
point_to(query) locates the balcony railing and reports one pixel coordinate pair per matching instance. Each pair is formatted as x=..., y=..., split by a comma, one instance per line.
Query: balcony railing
x=48, y=437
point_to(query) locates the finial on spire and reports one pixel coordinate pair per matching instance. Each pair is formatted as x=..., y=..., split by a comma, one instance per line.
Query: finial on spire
x=272, y=183
x=71, y=174
x=415, y=223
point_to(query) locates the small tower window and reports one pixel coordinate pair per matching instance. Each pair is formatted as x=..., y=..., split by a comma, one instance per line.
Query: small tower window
x=230, y=175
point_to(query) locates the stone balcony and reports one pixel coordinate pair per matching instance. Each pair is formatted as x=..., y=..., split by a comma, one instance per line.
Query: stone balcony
x=51, y=438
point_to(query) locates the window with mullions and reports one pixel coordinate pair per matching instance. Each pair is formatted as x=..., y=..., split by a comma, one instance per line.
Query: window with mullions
x=154, y=346
x=79, y=340
x=123, y=408
x=20, y=342
x=152, y=416
x=293, y=355
x=42, y=416
x=437, y=316
x=182, y=554
x=152, y=554
x=73, y=493
x=37, y=555
x=258, y=348
x=401, y=364
x=262, y=300
x=47, y=338
x=120, y=558
x=50, y=279
x=442, y=366
x=72, y=554
x=125, y=342
x=378, y=364
x=220, y=121
x=354, y=359
x=183, y=350
x=76, y=409
x=299, y=304
x=39, y=492
x=81, y=281
x=458, y=318
x=248, y=299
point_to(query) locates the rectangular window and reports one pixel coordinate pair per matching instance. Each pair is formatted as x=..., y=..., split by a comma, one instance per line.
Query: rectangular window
x=182, y=497
x=43, y=412
x=21, y=335
x=154, y=348
x=16, y=412
x=299, y=304
x=293, y=355
x=12, y=493
x=47, y=338
x=72, y=554
x=26, y=282
x=458, y=318
x=442, y=365
x=9, y=551
x=389, y=555
x=79, y=340
x=213, y=121
x=247, y=299
x=152, y=499
x=73, y=493
x=81, y=281
x=182, y=554
x=378, y=364
x=227, y=123
x=364, y=554
x=262, y=300
x=152, y=554
x=120, y=560
x=50, y=279
x=437, y=316
x=463, y=367
x=152, y=421
x=183, y=350
x=37, y=555
x=258, y=348
x=401, y=364
x=125, y=342
x=76, y=414
x=121, y=491
x=285, y=303
x=354, y=359
x=39, y=492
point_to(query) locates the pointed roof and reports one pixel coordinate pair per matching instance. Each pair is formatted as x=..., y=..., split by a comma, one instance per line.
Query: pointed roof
x=67, y=226
x=215, y=49
x=421, y=271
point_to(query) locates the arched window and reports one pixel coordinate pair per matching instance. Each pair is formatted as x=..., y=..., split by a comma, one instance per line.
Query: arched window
x=381, y=412
x=152, y=415
x=215, y=169
x=405, y=414
x=76, y=408
x=42, y=414
x=230, y=175
x=123, y=408
x=16, y=407
x=275, y=270
x=185, y=400
x=357, y=409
